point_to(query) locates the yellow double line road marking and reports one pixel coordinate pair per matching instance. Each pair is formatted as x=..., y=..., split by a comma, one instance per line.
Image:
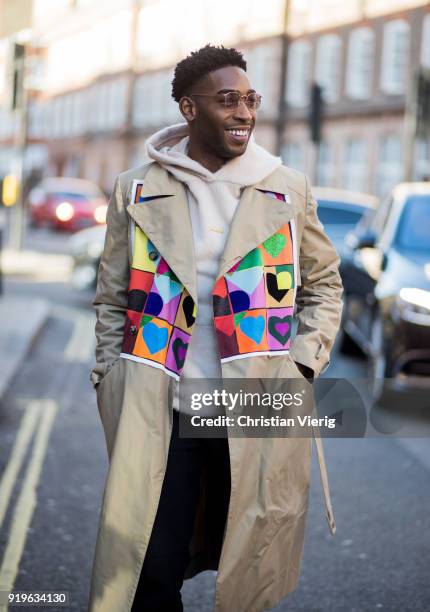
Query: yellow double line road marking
x=38, y=419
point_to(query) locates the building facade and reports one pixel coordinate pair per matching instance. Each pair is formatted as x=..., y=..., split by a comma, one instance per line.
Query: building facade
x=99, y=82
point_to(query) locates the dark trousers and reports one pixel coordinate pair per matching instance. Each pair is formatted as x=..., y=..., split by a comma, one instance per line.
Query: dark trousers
x=167, y=555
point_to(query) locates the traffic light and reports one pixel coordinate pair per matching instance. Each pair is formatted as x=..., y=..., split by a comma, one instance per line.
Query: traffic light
x=315, y=114
x=10, y=189
x=16, y=75
x=423, y=103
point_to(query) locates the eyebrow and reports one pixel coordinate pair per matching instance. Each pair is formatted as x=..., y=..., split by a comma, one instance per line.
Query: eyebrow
x=228, y=90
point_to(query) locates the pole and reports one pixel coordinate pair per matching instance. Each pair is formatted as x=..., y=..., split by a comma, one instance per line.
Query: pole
x=282, y=108
x=18, y=216
x=410, y=128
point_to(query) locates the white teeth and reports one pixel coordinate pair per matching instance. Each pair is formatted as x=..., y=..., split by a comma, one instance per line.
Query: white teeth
x=239, y=132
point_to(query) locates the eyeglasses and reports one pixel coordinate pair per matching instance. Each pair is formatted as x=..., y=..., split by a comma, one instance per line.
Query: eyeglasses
x=232, y=99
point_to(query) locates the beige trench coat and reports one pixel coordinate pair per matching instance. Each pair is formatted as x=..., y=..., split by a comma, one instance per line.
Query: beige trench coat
x=263, y=540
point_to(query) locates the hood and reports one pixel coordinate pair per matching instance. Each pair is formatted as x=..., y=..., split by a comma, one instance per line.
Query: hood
x=169, y=148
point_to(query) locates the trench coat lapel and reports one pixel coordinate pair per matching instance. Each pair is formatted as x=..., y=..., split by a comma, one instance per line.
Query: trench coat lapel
x=163, y=214
x=257, y=217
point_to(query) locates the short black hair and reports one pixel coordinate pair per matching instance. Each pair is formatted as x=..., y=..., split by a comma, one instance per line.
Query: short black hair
x=199, y=63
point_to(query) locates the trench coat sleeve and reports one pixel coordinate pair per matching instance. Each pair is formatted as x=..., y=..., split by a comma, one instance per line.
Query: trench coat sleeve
x=319, y=298
x=111, y=298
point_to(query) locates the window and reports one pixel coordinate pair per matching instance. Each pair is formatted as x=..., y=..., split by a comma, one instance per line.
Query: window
x=138, y=98
x=79, y=119
x=299, y=73
x=378, y=220
x=414, y=227
x=101, y=102
x=422, y=160
x=335, y=213
x=116, y=94
x=355, y=165
x=57, y=117
x=292, y=155
x=68, y=115
x=258, y=61
x=325, y=164
x=390, y=164
x=361, y=48
x=395, y=57
x=328, y=66
x=425, y=42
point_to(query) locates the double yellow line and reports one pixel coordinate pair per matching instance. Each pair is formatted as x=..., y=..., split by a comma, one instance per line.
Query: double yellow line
x=37, y=422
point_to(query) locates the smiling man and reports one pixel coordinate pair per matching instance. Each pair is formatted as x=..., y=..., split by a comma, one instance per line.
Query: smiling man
x=212, y=248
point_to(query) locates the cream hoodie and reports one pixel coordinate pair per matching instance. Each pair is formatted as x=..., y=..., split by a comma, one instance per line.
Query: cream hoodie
x=212, y=200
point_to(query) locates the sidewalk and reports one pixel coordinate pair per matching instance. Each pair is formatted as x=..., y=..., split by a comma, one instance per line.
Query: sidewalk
x=40, y=266
x=21, y=322
x=22, y=319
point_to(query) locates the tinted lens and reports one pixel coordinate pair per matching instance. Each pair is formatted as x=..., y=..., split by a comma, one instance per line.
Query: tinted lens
x=253, y=101
x=232, y=99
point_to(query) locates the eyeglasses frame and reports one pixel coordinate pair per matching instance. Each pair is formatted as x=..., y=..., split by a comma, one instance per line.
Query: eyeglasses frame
x=244, y=98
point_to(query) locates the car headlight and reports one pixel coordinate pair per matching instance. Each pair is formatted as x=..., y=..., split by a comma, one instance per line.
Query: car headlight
x=64, y=211
x=414, y=305
x=100, y=213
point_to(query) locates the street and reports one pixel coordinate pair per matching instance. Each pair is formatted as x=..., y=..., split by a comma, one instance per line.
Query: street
x=53, y=464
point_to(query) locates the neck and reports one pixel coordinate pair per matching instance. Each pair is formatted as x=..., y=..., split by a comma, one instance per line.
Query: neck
x=207, y=159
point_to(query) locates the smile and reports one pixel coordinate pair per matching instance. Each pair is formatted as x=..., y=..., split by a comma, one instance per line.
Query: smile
x=239, y=135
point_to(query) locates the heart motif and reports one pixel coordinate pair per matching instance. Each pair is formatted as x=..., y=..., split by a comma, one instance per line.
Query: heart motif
x=273, y=289
x=221, y=306
x=239, y=301
x=274, y=244
x=154, y=337
x=154, y=304
x=248, y=279
x=253, y=327
x=179, y=348
x=280, y=328
x=166, y=287
x=136, y=300
x=238, y=318
x=188, y=308
x=251, y=260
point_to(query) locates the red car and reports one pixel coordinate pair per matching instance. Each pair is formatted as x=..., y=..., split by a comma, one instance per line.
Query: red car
x=66, y=204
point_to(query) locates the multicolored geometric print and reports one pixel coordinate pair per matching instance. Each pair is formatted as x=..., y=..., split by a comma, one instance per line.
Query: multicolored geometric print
x=161, y=313
x=254, y=302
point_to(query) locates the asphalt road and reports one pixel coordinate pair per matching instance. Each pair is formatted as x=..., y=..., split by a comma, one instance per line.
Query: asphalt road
x=378, y=559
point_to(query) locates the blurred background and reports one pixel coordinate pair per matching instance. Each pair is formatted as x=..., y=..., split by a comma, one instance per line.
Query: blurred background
x=346, y=99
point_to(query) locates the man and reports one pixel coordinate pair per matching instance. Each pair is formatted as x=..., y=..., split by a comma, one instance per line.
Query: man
x=212, y=247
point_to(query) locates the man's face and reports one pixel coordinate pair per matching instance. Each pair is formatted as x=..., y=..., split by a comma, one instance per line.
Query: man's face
x=214, y=125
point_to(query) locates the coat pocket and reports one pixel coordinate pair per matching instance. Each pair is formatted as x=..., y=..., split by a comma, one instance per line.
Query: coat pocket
x=296, y=369
x=110, y=395
x=100, y=371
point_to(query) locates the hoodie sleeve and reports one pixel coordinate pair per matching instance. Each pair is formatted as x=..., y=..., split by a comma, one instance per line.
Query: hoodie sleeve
x=319, y=298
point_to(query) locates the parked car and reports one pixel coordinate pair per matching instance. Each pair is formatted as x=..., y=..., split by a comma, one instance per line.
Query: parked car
x=340, y=210
x=387, y=289
x=67, y=204
x=86, y=247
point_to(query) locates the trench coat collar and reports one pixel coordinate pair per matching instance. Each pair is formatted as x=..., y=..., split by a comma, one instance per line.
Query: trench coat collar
x=163, y=214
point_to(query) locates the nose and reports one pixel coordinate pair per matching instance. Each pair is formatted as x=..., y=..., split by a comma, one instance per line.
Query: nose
x=242, y=111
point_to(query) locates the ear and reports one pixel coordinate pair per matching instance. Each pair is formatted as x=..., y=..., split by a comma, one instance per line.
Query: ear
x=188, y=108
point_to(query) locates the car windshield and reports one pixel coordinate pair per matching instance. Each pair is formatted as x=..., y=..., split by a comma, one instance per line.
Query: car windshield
x=72, y=195
x=413, y=232
x=338, y=213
